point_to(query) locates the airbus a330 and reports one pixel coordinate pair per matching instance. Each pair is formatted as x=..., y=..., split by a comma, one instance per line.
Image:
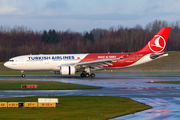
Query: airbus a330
x=69, y=64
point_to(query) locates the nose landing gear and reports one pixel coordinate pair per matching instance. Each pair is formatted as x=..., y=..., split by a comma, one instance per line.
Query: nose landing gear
x=23, y=75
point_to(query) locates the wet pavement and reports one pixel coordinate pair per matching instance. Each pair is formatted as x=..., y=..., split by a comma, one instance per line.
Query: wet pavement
x=164, y=98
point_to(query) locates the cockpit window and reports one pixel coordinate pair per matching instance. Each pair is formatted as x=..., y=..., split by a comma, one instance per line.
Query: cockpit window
x=11, y=60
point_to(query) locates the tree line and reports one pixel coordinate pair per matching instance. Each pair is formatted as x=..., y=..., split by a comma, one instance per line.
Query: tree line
x=21, y=40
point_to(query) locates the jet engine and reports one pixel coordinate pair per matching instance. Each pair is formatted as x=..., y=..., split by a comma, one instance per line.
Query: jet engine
x=67, y=70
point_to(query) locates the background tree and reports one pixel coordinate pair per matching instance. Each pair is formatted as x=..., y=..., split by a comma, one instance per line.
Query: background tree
x=89, y=36
x=50, y=37
x=21, y=40
x=45, y=37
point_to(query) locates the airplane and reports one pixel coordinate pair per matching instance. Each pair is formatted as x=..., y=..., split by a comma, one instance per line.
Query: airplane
x=69, y=64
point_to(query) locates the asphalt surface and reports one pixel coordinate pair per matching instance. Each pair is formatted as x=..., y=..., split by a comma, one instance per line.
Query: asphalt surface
x=164, y=98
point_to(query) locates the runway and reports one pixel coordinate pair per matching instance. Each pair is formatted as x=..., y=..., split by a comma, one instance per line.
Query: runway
x=164, y=98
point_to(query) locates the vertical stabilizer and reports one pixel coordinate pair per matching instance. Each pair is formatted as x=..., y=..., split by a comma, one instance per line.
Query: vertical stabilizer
x=157, y=43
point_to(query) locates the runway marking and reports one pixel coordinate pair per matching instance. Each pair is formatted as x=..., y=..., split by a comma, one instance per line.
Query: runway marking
x=112, y=83
x=149, y=87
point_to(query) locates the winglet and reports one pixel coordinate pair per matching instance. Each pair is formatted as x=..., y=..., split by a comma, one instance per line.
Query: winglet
x=157, y=43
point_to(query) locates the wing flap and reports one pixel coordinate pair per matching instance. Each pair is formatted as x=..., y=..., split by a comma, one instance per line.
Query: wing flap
x=96, y=64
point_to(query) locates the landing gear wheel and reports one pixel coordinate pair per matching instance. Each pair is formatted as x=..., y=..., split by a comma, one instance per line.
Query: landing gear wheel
x=23, y=75
x=92, y=75
x=82, y=75
x=87, y=75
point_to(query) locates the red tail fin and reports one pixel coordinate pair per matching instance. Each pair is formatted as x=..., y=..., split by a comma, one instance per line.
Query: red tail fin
x=158, y=42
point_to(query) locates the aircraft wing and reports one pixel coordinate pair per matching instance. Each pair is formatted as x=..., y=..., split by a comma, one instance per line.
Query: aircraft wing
x=96, y=64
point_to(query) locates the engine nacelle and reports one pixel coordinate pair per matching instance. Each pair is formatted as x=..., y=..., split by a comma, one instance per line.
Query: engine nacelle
x=67, y=70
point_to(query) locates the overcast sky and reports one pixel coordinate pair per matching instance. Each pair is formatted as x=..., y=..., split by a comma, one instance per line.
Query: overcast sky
x=84, y=15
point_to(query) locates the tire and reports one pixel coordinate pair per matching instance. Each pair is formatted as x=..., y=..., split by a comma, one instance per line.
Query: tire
x=23, y=75
x=82, y=75
x=92, y=75
x=87, y=75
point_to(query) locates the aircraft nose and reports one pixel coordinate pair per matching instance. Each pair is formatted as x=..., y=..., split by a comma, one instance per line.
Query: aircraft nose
x=6, y=64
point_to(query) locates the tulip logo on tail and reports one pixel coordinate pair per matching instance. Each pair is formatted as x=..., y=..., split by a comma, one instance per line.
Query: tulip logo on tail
x=157, y=44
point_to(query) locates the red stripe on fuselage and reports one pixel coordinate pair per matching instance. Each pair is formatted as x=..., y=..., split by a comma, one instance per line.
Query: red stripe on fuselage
x=130, y=58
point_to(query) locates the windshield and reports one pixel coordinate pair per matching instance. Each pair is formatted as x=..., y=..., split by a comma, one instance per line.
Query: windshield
x=11, y=60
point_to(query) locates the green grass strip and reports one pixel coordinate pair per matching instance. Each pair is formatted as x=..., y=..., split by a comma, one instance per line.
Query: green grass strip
x=74, y=108
x=170, y=82
x=42, y=85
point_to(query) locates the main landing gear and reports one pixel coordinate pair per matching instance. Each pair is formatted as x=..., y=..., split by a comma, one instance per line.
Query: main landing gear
x=87, y=75
x=23, y=75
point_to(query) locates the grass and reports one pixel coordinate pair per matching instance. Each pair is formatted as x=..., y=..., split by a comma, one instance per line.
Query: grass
x=42, y=85
x=74, y=108
x=170, y=82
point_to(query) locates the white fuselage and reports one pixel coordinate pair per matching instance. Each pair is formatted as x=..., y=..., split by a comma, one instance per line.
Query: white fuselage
x=42, y=62
x=55, y=61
